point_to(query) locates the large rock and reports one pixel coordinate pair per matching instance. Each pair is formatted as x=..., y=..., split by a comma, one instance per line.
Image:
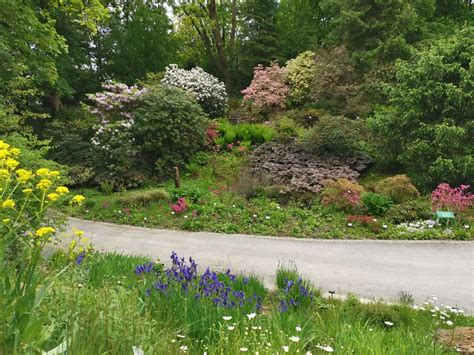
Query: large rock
x=301, y=171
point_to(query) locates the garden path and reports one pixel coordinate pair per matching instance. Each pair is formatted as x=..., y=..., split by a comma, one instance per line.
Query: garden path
x=367, y=268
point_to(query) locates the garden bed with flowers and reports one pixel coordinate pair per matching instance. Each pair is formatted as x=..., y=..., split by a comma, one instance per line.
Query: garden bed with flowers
x=114, y=303
x=218, y=196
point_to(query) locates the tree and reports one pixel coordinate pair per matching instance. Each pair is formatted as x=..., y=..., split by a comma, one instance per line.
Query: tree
x=374, y=31
x=299, y=26
x=259, y=36
x=216, y=30
x=136, y=40
x=428, y=128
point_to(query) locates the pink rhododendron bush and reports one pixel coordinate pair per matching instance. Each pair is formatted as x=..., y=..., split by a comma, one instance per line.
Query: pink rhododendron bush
x=268, y=89
x=456, y=199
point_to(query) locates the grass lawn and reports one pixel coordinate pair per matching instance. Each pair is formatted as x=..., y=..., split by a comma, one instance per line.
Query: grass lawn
x=214, y=193
x=109, y=303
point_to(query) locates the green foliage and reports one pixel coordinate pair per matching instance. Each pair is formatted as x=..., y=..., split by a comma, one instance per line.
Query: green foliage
x=244, y=132
x=299, y=75
x=414, y=210
x=169, y=128
x=336, y=86
x=259, y=34
x=376, y=204
x=287, y=129
x=334, y=135
x=377, y=31
x=399, y=188
x=428, y=129
x=138, y=40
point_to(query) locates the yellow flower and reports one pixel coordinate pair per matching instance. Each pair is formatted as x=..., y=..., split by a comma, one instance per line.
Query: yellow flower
x=4, y=153
x=62, y=190
x=43, y=172
x=6, y=220
x=8, y=203
x=78, y=199
x=12, y=163
x=78, y=232
x=72, y=245
x=44, y=184
x=4, y=173
x=24, y=175
x=44, y=231
x=15, y=151
x=4, y=145
x=27, y=191
x=54, y=173
x=52, y=196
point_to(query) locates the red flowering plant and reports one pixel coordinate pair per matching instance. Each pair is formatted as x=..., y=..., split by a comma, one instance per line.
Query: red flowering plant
x=455, y=199
x=212, y=132
x=365, y=221
x=180, y=206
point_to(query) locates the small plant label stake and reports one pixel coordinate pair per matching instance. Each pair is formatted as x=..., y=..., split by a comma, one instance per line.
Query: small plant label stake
x=177, y=180
x=447, y=215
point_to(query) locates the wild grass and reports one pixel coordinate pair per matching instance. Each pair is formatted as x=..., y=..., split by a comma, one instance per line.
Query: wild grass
x=103, y=307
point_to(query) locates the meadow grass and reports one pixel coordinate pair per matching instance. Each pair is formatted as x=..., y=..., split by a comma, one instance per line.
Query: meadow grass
x=106, y=305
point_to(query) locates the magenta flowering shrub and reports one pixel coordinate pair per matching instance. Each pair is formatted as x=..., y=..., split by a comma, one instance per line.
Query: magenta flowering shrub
x=267, y=89
x=180, y=206
x=455, y=199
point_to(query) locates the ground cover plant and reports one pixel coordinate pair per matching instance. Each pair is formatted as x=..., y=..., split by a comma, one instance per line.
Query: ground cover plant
x=112, y=303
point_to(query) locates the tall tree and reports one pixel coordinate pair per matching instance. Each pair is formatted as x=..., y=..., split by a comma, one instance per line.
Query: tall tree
x=374, y=31
x=259, y=35
x=136, y=39
x=215, y=22
x=299, y=26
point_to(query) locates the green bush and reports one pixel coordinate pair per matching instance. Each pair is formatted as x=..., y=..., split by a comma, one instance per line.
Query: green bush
x=287, y=129
x=428, y=129
x=334, y=135
x=342, y=194
x=244, y=132
x=300, y=72
x=307, y=116
x=142, y=197
x=169, y=128
x=376, y=204
x=399, y=188
x=414, y=210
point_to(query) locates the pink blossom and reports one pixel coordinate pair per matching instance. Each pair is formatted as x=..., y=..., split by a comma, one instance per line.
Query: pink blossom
x=179, y=206
x=456, y=199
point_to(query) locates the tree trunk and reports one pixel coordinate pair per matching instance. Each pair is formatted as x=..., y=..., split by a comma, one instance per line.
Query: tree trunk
x=216, y=34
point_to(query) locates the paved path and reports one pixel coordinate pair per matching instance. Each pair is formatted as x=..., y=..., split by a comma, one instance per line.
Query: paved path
x=367, y=268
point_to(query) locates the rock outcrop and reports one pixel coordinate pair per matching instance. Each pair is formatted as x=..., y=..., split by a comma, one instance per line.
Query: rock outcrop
x=300, y=171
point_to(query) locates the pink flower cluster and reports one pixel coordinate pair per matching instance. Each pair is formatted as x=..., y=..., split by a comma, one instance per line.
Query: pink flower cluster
x=455, y=199
x=268, y=88
x=352, y=197
x=179, y=206
x=212, y=132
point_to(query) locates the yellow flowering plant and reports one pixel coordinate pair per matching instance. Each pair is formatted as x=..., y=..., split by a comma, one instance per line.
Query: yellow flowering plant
x=25, y=230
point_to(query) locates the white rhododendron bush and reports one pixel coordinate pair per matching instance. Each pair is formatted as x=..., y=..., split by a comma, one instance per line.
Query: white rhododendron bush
x=208, y=90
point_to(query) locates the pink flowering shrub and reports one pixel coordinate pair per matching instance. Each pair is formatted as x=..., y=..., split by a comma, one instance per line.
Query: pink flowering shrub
x=342, y=194
x=455, y=199
x=212, y=132
x=267, y=89
x=179, y=206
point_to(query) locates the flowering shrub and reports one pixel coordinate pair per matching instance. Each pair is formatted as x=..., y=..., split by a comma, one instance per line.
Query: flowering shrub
x=208, y=90
x=399, y=188
x=455, y=199
x=342, y=194
x=212, y=132
x=25, y=230
x=113, y=140
x=179, y=206
x=300, y=72
x=267, y=89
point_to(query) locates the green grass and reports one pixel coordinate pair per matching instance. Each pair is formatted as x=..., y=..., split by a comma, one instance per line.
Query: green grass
x=215, y=204
x=101, y=307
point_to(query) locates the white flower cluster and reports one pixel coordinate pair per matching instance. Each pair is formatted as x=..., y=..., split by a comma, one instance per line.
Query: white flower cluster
x=208, y=90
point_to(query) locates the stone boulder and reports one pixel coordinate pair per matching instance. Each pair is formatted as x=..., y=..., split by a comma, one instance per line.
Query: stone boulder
x=300, y=171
